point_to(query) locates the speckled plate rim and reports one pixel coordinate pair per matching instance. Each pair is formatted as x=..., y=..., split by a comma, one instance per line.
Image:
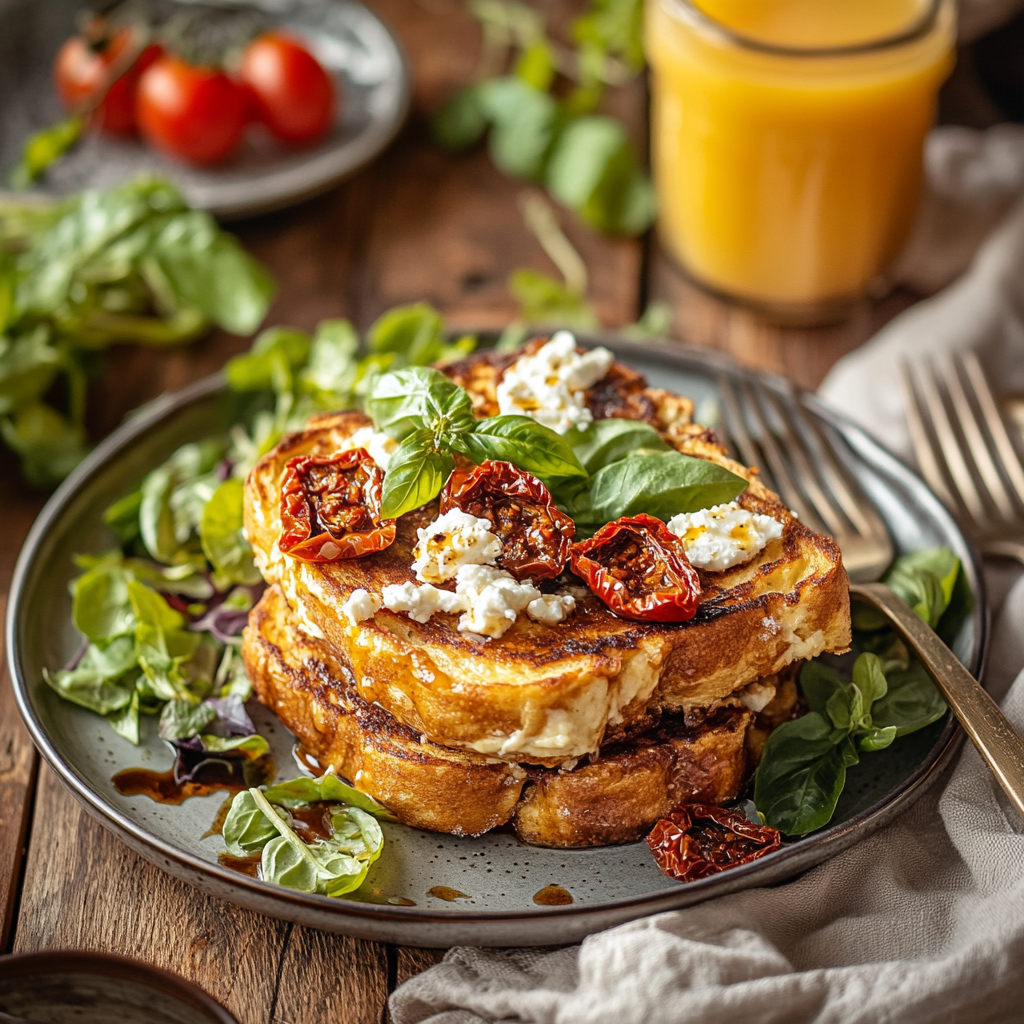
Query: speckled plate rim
x=447, y=927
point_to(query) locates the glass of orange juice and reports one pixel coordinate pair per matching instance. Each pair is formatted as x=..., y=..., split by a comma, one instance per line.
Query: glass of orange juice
x=787, y=139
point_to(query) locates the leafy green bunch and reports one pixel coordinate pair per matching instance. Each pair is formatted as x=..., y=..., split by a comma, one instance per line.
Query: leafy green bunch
x=162, y=614
x=131, y=263
x=260, y=822
x=803, y=770
x=140, y=653
x=584, y=159
x=610, y=468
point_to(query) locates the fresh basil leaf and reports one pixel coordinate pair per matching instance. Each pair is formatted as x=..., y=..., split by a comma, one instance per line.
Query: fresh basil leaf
x=545, y=301
x=183, y=719
x=125, y=722
x=331, y=369
x=49, y=444
x=461, y=122
x=819, y=682
x=845, y=708
x=527, y=444
x=123, y=517
x=93, y=688
x=661, y=484
x=912, y=701
x=407, y=400
x=101, y=607
x=253, y=746
x=869, y=679
x=876, y=738
x=415, y=331
x=526, y=122
x=298, y=792
x=223, y=536
x=925, y=579
x=592, y=171
x=416, y=473
x=801, y=775
x=332, y=788
x=246, y=827
x=603, y=442
x=269, y=365
x=206, y=269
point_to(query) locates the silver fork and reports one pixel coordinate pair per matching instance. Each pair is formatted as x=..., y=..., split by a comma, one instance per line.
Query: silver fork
x=965, y=451
x=798, y=461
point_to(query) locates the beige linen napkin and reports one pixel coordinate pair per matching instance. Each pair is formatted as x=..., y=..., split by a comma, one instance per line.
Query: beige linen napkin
x=922, y=922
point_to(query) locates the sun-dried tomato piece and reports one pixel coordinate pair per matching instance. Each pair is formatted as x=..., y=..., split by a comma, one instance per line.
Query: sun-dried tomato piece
x=330, y=507
x=639, y=569
x=697, y=840
x=535, y=535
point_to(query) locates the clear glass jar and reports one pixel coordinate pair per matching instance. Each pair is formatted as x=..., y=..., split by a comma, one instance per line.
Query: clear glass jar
x=787, y=139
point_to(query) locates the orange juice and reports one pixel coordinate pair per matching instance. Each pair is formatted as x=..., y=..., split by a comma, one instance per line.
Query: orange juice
x=787, y=138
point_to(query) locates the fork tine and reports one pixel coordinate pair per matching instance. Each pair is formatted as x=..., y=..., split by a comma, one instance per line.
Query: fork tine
x=949, y=446
x=809, y=477
x=926, y=455
x=737, y=426
x=787, y=488
x=996, y=427
x=860, y=512
x=976, y=443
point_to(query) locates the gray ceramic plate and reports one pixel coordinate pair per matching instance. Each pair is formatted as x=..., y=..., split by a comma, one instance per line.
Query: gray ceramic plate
x=497, y=875
x=350, y=42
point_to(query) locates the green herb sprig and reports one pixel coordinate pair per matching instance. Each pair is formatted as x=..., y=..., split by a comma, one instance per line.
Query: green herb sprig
x=803, y=769
x=127, y=264
x=628, y=467
x=259, y=821
x=584, y=159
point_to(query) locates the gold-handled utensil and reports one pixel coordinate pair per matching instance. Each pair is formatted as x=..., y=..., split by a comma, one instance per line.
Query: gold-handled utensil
x=797, y=459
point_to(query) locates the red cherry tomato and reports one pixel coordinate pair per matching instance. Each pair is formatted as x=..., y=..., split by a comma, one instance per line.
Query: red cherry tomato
x=194, y=113
x=639, y=569
x=83, y=70
x=289, y=89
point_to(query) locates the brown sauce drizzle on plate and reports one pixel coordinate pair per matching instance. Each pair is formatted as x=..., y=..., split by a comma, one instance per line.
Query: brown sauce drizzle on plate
x=553, y=896
x=442, y=892
x=243, y=865
x=214, y=776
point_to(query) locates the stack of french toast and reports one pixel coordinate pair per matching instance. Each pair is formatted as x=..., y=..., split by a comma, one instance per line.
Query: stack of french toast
x=579, y=733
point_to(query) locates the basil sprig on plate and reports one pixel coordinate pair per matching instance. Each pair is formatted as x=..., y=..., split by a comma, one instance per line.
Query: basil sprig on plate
x=433, y=419
x=611, y=468
x=260, y=822
x=803, y=769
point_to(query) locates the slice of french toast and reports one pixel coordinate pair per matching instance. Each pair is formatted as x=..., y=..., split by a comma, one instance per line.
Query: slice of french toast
x=613, y=798
x=548, y=694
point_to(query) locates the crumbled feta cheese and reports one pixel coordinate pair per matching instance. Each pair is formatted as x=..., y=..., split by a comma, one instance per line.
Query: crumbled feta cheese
x=492, y=598
x=551, y=608
x=757, y=696
x=452, y=541
x=361, y=604
x=378, y=446
x=723, y=536
x=549, y=385
x=419, y=602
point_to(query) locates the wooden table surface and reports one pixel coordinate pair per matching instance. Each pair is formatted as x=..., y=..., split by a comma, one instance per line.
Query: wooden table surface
x=417, y=224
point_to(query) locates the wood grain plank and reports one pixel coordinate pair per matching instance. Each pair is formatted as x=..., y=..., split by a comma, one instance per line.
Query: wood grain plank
x=331, y=979
x=18, y=767
x=804, y=355
x=84, y=889
x=413, y=960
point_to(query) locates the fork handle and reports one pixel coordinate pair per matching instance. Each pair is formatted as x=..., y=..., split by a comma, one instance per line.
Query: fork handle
x=978, y=713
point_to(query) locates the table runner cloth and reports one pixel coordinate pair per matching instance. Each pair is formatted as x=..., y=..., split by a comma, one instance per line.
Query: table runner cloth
x=921, y=923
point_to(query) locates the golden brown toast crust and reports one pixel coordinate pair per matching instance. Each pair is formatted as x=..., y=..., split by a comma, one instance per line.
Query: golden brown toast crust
x=549, y=694
x=615, y=798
